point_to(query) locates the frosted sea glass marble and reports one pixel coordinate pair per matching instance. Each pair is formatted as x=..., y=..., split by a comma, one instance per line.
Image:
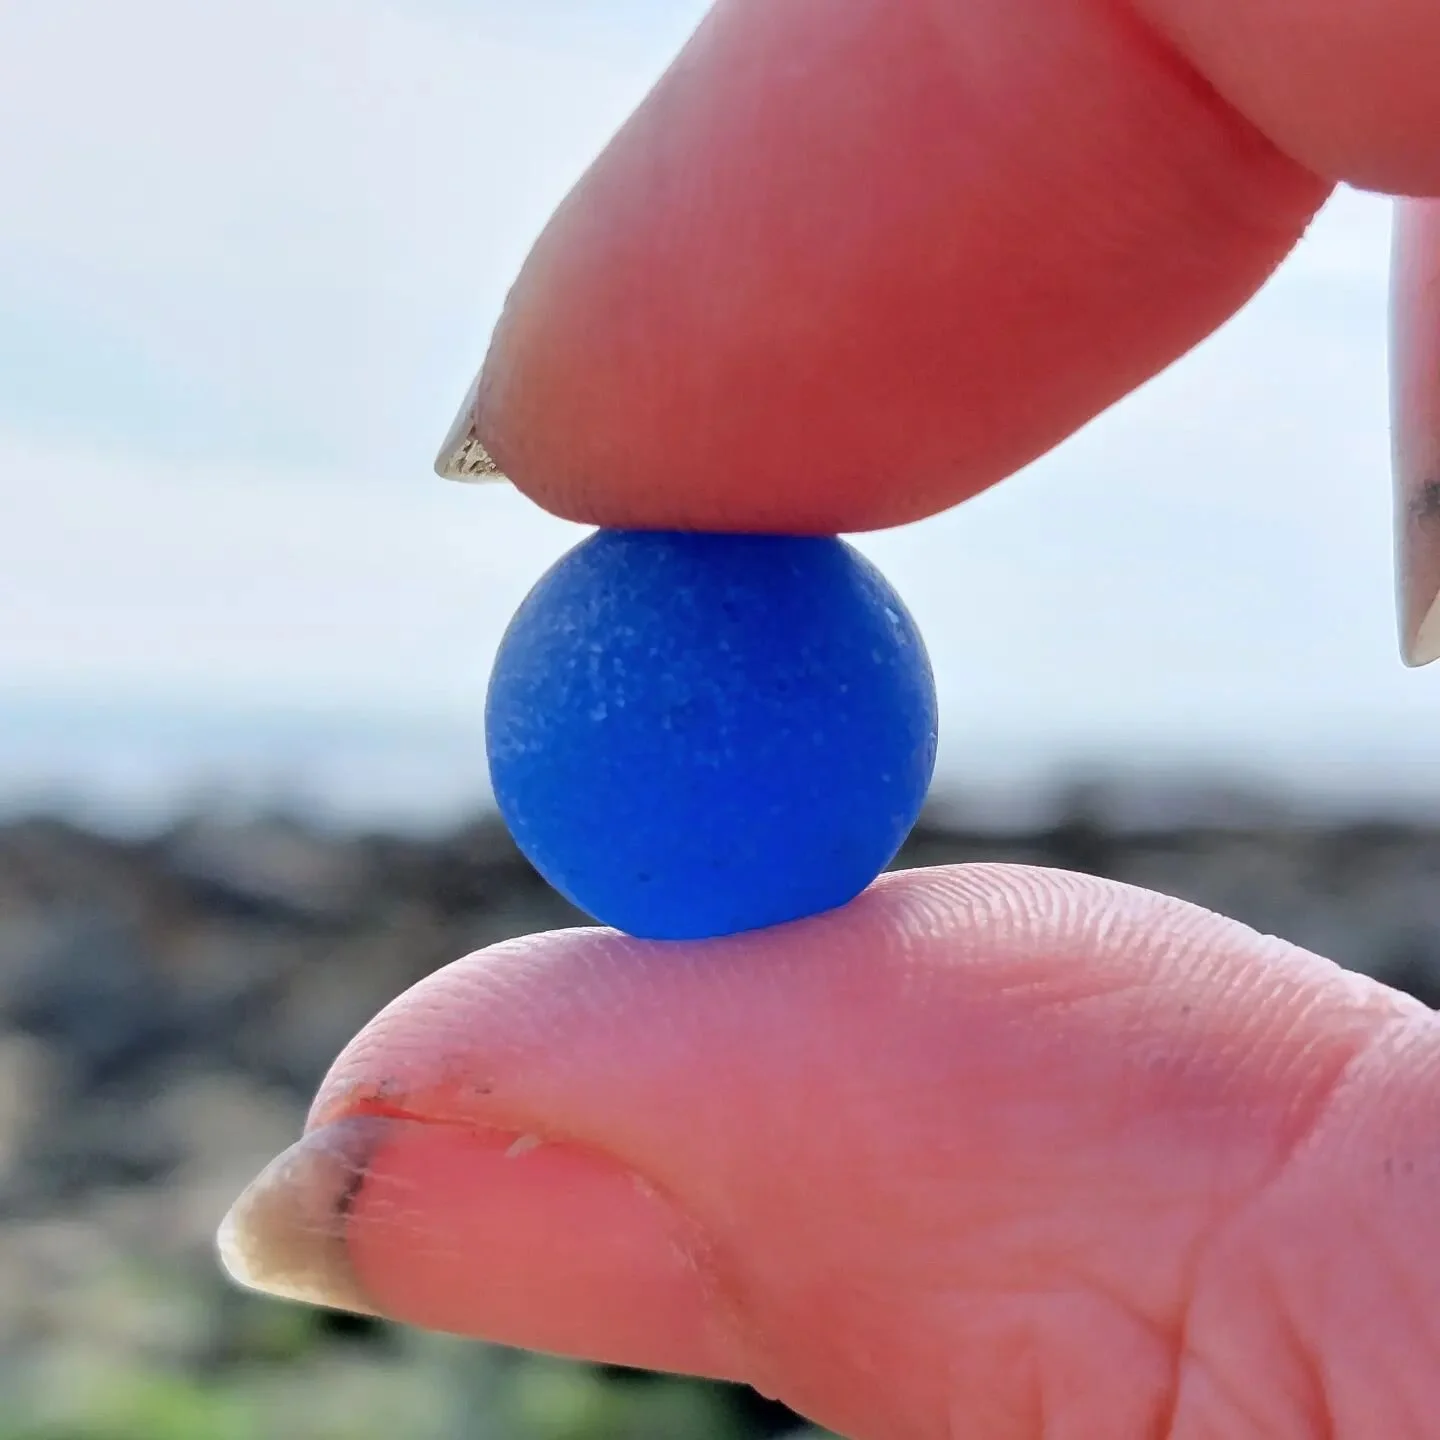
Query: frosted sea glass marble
x=694, y=735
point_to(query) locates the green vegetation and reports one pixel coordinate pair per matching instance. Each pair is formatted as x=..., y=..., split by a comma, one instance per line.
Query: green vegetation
x=173, y=1353
x=299, y=1383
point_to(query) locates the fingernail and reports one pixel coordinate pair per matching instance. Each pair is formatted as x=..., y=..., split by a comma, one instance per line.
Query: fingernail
x=462, y=456
x=1415, y=417
x=539, y=1245
x=286, y=1234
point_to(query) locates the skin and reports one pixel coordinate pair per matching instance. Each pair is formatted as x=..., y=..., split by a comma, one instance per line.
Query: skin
x=994, y=1151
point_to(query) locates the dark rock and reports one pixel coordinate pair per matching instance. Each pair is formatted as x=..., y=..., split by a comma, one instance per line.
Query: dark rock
x=274, y=870
x=89, y=986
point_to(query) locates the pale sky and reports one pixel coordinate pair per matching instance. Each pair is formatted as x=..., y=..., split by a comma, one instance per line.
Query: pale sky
x=249, y=258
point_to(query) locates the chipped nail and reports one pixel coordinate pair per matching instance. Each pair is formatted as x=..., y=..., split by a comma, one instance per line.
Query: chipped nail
x=285, y=1236
x=462, y=456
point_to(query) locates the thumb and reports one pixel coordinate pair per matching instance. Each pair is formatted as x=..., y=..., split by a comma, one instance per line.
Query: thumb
x=997, y=1150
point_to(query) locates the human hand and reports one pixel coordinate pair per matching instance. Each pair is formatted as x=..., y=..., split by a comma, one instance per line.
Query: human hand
x=993, y=1151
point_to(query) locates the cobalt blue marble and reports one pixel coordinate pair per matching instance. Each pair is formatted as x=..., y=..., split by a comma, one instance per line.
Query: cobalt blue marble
x=695, y=735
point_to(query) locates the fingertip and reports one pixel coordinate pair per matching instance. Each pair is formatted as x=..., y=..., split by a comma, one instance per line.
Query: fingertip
x=849, y=265
x=1415, y=423
x=544, y=1246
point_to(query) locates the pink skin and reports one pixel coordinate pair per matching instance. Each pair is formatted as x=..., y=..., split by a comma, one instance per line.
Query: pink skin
x=1012, y=1150
x=992, y=1152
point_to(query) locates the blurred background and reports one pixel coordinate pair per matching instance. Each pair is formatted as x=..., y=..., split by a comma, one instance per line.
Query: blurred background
x=250, y=254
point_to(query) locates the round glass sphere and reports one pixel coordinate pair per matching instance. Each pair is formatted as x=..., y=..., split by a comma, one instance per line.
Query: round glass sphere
x=693, y=735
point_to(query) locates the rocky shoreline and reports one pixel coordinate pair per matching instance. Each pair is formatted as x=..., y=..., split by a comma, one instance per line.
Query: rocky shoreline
x=167, y=1005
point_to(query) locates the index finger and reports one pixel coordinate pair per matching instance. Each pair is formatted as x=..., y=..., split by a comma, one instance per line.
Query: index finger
x=851, y=263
